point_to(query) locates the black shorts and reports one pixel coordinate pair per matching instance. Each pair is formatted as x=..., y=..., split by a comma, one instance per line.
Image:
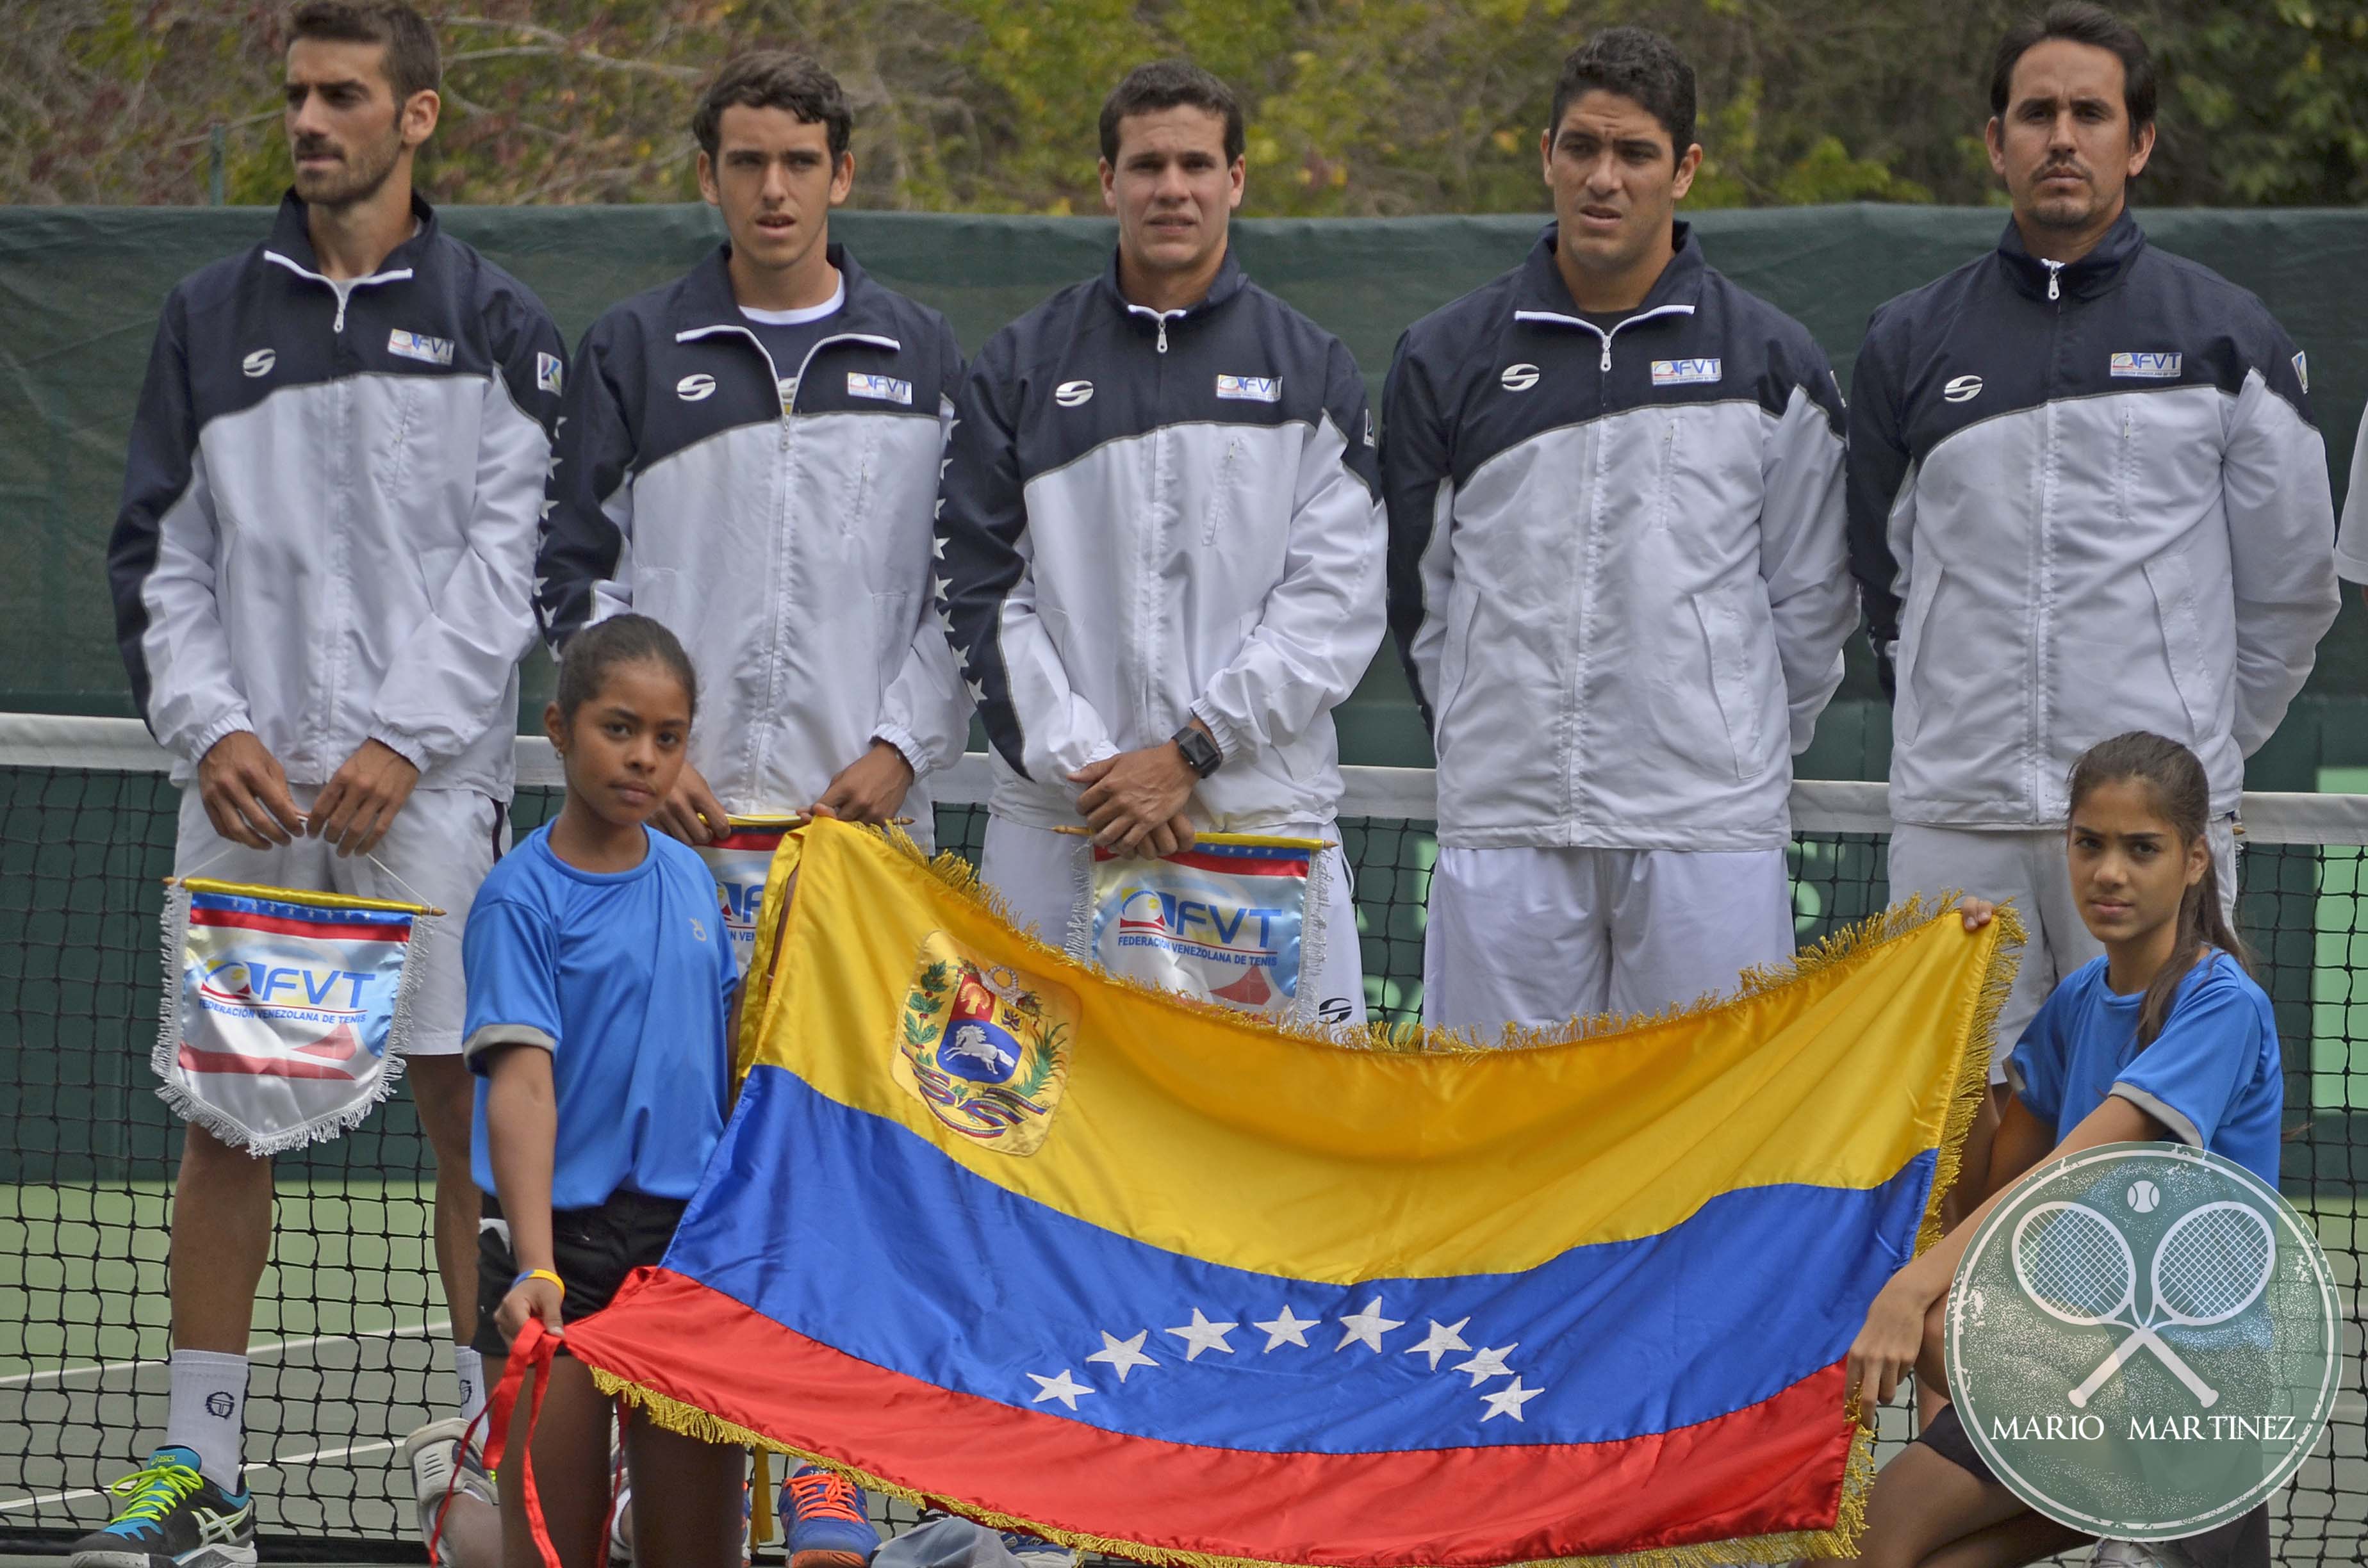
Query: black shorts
x=593, y=1248
x=2239, y=1543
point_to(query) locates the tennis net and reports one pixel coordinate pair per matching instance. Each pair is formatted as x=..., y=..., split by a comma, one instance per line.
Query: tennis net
x=346, y=1356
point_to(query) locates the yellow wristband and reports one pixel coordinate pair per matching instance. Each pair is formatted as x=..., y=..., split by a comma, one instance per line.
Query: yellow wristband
x=540, y=1274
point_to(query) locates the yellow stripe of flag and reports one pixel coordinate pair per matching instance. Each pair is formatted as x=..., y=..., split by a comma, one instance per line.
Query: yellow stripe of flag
x=1218, y=1137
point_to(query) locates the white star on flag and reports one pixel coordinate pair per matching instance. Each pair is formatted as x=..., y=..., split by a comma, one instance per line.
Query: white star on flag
x=1442, y=1338
x=1287, y=1329
x=1508, y=1400
x=937, y=540
x=1203, y=1335
x=939, y=587
x=1488, y=1364
x=1368, y=1326
x=1123, y=1355
x=1064, y=1388
x=976, y=689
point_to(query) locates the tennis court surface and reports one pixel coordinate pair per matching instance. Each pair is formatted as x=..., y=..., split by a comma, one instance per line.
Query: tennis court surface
x=345, y=1358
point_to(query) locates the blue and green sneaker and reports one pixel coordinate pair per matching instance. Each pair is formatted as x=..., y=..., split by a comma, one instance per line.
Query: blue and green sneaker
x=172, y=1518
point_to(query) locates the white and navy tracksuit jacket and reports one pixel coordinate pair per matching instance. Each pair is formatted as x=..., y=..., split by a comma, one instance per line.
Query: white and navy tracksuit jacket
x=1617, y=559
x=2085, y=498
x=790, y=551
x=329, y=510
x=1146, y=517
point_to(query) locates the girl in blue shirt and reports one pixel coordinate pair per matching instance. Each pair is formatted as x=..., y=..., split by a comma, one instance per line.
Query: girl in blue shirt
x=599, y=985
x=2164, y=1038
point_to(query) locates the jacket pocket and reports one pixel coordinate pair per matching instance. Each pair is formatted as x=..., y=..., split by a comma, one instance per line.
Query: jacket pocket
x=1455, y=651
x=1725, y=628
x=1913, y=691
x=2173, y=583
x=1221, y=499
x=864, y=480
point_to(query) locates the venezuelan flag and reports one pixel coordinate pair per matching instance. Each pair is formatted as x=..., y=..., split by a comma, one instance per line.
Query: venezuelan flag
x=995, y=1231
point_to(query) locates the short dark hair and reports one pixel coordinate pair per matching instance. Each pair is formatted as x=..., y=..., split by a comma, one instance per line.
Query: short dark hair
x=775, y=78
x=1635, y=62
x=414, y=65
x=2081, y=23
x=600, y=647
x=1171, y=84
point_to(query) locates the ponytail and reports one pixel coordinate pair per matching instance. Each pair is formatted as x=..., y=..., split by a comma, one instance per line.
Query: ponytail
x=2183, y=796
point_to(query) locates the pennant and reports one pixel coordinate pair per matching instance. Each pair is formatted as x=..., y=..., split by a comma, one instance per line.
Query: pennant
x=285, y=1012
x=739, y=860
x=1150, y=1275
x=1236, y=920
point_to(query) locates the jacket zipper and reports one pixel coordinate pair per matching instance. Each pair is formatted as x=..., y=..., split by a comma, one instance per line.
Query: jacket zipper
x=2043, y=557
x=1158, y=318
x=759, y=731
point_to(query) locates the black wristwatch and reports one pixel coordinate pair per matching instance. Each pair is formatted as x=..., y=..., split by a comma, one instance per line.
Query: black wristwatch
x=1201, y=752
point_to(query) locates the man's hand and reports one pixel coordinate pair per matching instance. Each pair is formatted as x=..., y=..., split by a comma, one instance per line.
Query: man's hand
x=1976, y=912
x=868, y=789
x=1134, y=801
x=358, y=804
x=690, y=801
x=246, y=793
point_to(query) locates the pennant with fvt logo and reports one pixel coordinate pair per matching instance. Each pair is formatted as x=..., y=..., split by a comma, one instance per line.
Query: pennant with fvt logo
x=285, y=1012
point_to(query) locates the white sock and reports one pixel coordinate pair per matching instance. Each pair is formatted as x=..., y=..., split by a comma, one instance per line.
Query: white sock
x=469, y=1371
x=207, y=1414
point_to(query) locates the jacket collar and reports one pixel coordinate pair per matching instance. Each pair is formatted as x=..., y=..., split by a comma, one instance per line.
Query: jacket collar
x=1230, y=280
x=1542, y=292
x=706, y=302
x=291, y=242
x=2094, y=274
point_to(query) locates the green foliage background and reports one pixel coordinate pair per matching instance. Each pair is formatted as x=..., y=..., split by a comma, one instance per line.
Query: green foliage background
x=1358, y=108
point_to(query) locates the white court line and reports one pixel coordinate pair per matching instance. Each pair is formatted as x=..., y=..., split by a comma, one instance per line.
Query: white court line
x=270, y=1348
x=349, y=1451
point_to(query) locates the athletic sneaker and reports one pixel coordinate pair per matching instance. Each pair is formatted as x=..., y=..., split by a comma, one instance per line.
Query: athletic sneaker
x=173, y=1517
x=1035, y=1551
x=444, y=1464
x=621, y=1504
x=828, y=1520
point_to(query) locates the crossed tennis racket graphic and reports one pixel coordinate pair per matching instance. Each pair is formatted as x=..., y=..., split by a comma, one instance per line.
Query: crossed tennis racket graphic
x=2210, y=1265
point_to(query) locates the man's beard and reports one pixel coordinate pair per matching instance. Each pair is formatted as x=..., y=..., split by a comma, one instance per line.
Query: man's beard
x=363, y=175
x=2066, y=211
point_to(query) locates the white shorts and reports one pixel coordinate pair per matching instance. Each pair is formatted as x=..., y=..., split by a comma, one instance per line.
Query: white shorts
x=2032, y=867
x=1044, y=875
x=440, y=847
x=1539, y=936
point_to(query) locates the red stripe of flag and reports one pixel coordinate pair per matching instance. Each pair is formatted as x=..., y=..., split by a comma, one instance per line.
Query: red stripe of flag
x=1773, y=1466
x=1291, y=863
x=280, y=926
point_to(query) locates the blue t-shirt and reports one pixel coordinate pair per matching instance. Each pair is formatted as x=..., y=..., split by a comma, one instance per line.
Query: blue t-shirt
x=2213, y=1076
x=626, y=979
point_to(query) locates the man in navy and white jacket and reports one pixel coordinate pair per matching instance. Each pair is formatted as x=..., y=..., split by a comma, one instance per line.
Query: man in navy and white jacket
x=1617, y=578
x=2087, y=496
x=321, y=574
x=749, y=454
x=1161, y=539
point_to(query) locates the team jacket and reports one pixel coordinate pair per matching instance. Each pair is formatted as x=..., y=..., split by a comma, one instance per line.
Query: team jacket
x=2085, y=498
x=1616, y=559
x=1146, y=518
x=329, y=508
x=788, y=550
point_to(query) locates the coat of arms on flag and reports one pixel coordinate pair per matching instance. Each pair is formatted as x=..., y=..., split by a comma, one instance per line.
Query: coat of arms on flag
x=985, y=1046
x=1268, y=1295
x=285, y=1011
